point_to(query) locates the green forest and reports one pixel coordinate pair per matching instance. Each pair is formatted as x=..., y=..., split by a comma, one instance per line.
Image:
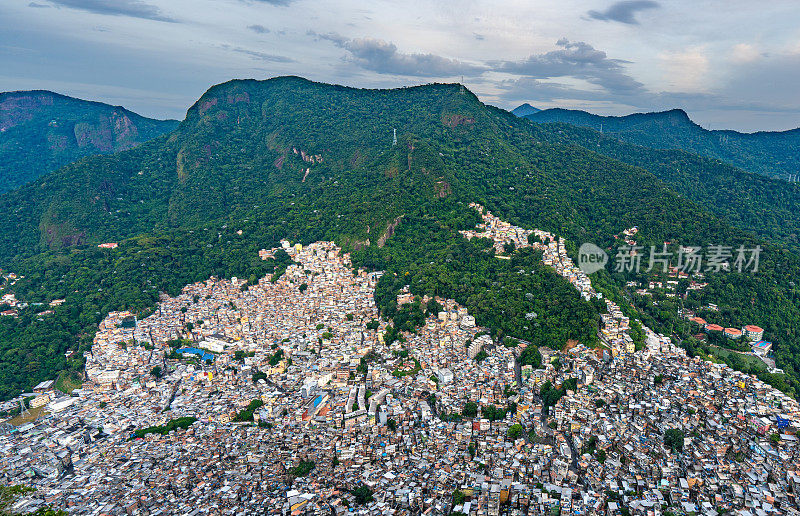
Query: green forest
x=429, y=255
x=767, y=207
x=42, y=131
x=769, y=153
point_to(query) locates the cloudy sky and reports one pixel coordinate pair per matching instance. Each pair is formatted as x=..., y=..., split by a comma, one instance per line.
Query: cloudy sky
x=729, y=63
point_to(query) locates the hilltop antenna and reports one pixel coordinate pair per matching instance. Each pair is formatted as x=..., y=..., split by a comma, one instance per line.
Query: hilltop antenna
x=462, y=84
x=394, y=137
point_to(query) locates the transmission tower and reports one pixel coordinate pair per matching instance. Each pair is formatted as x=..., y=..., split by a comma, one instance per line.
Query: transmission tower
x=23, y=410
x=394, y=137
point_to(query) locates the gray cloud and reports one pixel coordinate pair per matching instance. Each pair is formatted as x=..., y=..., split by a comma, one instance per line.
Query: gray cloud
x=528, y=89
x=382, y=57
x=39, y=6
x=259, y=29
x=580, y=60
x=624, y=12
x=778, y=74
x=260, y=56
x=131, y=8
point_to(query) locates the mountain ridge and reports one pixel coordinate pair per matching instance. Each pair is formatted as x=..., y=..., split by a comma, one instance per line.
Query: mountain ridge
x=62, y=96
x=525, y=109
x=677, y=112
x=41, y=130
x=771, y=153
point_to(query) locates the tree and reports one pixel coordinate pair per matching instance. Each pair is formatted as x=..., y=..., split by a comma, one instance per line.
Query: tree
x=173, y=424
x=470, y=409
x=531, y=356
x=276, y=357
x=493, y=413
x=458, y=497
x=9, y=496
x=362, y=494
x=391, y=424
x=246, y=414
x=673, y=439
x=156, y=372
x=302, y=469
x=433, y=308
x=514, y=431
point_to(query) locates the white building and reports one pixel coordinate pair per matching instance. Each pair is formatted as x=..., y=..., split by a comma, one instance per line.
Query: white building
x=445, y=376
x=468, y=321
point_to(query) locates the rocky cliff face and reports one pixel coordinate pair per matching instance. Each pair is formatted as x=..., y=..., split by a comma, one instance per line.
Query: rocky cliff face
x=41, y=131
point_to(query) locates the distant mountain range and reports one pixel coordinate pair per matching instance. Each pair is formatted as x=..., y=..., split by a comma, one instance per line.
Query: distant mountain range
x=41, y=131
x=525, y=109
x=774, y=154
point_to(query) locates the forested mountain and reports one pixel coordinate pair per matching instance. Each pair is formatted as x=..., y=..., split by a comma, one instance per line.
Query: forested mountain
x=41, y=131
x=774, y=154
x=768, y=207
x=525, y=109
x=289, y=158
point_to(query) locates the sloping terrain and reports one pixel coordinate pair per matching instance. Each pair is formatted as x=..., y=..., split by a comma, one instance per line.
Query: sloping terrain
x=765, y=206
x=773, y=154
x=41, y=131
x=256, y=161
